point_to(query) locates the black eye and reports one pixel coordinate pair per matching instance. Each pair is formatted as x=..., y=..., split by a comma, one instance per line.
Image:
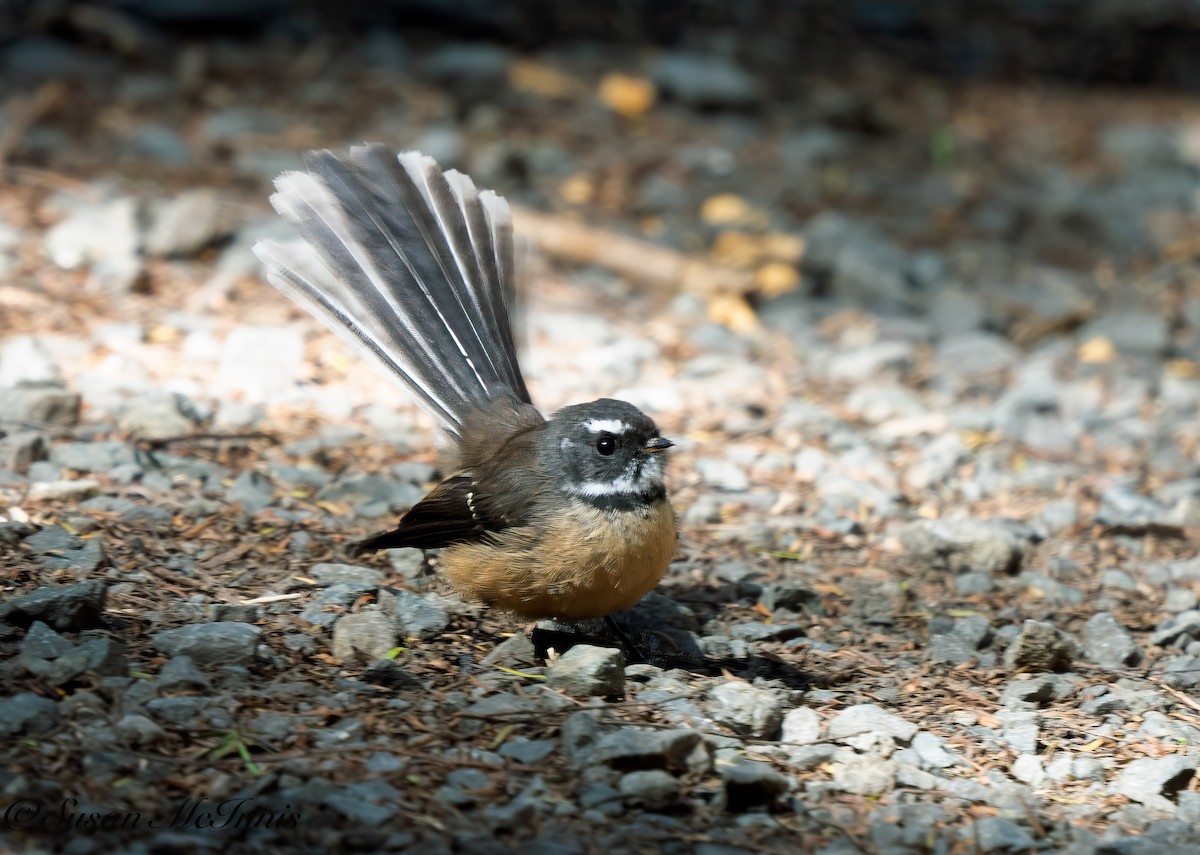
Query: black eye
x=606, y=444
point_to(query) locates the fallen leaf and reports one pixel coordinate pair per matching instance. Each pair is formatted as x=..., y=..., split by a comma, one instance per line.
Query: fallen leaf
x=543, y=80
x=629, y=96
x=733, y=311
x=1097, y=350
x=775, y=278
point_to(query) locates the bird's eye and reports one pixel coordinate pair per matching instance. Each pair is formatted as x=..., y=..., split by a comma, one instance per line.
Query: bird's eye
x=606, y=444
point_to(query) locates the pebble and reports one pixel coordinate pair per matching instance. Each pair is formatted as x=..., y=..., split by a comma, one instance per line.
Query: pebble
x=38, y=405
x=961, y=546
x=19, y=450
x=414, y=616
x=28, y=713
x=369, y=633
x=185, y=224
x=24, y=361
x=1039, y=647
x=211, y=644
x=652, y=789
x=252, y=490
x=801, y=726
x=587, y=671
x=65, y=608
x=746, y=709
x=750, y=785
x=260, y=363
x=1108, y=643
x=627, y=749
x=705, y=80
x=366, y=577
x=1155, y=781
x=869, y=718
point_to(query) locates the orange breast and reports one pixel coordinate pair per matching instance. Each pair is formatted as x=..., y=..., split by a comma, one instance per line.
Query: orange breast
x=585, y=564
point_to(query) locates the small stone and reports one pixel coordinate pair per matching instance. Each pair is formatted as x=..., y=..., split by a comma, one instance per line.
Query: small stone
x=1028, y=769
x=722, y=474
x=751, y=785
x=746, y=709
x=1108, y=643
x=367, y=577
x=49, y=406
x=1182, y=672
x=27, y=713
x=931, y=751
x=66, y=608
x=705, y=80
x=1122, y=508
x=586, y=671
x=628, y=749
x=156, y=416
x=371, y=634
x=865, y=775
x=1155, y=781
x=1178, y=629
x=253, y=491
x=801, y=726
x=139, y=730
x=105, y=656
x=868, y=718
x=180, y=674
x=95, y=233
x=652, y=789
x=184, y=225
x=415, y=616
x=223, y=643
x=1035, y=691
x=260, y=362
x=18, y=450
x=43, y=642
x=408, y=562
x=72, y=490
x=996, y=834
x=1019, y=728
x=962, y=545
x=1039, y=647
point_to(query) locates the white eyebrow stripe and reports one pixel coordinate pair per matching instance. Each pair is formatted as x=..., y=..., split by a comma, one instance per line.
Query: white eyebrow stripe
x=606, y=426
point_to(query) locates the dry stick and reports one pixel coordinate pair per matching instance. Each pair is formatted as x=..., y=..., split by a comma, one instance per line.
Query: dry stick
x=666, y=270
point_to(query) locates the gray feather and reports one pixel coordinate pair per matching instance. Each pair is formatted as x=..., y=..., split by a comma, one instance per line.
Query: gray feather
x=411, y=265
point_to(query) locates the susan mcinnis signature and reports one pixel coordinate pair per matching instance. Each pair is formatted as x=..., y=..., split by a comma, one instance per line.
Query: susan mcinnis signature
x=70, y=816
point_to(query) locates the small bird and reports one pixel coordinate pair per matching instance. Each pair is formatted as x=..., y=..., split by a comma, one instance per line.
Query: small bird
x=565, y=517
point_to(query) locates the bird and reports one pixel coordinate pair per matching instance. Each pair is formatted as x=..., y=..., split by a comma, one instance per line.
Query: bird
x=563, y=517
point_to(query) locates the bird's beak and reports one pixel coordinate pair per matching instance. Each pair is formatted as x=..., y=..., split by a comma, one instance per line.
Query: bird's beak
x=659, y=443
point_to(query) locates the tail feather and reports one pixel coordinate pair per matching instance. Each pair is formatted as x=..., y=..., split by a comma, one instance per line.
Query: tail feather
x=410, y=264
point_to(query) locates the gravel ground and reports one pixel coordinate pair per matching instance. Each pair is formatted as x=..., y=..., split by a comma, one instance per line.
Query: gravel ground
x=937, y=588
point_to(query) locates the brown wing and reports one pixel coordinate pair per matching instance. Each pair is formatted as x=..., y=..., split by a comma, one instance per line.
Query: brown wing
x=449, y=514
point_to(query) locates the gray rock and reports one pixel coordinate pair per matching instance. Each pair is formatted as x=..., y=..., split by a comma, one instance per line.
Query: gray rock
x=974, y=354
x=39, y=405
x=868, y=718
x=1035, y=691
x=801, y=726
x=26, y=360
x=415, y=616
x=1028, y=769
x=962, y=545
x=139, y=730
x=74, y=490
x=95, y=233
x=329, y=603
x=468, y=63
x=722, y=474
x=931, y=751
x=1108, y=643
x=187, y=711
x=260, y=362
x=1039, y=647
x=652, y=789
x=1019, y=728
x=1182, y=672
x=996, y=834
x=865, y=775
x=701, y=80
x=871, y=361
x=253, y=491
x=105, y=656
x=627, y=749
x=371, y=634
x=1178, y=629
x=155, y=416
x=44, y=643
x=1120, y=507
x=1133, y=332
x=58, y=549
x=585, y=671
x=27, y=713
x=372, y=492
x=93, y=456
x=746, y=709
x=366, y=577
x=66, y=608
x=224, y=643
x=180, y=674
x=185, y=224
x=18, y=450
x=861, y=266
x=529, y=751
x=1155, y=781
x=752, y=785
x=962, y=642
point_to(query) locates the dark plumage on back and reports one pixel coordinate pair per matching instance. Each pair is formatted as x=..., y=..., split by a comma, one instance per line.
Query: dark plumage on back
x=413, y=266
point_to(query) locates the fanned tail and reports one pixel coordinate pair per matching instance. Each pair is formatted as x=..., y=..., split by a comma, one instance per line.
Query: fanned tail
x=412, y=265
